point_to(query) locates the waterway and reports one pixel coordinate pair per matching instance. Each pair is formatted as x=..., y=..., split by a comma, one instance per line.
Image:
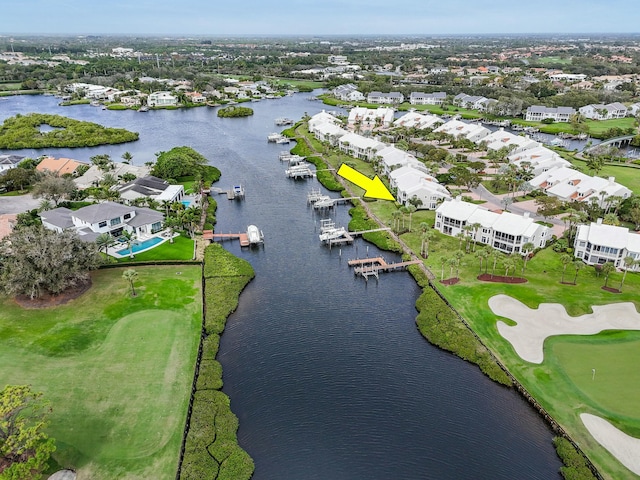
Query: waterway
x=328, y=374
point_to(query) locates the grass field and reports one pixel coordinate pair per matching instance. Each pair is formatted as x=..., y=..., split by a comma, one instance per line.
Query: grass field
x=628, y=176
x=117, y=369
x=180, y=249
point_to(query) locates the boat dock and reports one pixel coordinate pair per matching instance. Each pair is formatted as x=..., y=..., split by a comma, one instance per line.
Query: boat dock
x=302, y=170
x=212, y=237
x=291, y=158
x=348, y=237
x=327, y=202
x=235, y=193
x=368, y=267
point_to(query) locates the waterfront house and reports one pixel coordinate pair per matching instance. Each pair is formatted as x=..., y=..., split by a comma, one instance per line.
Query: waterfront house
x=323, y=117
x=597, y=243
x=328, y=132
x=150, y=187
x=412, y=183
x=501, y=138
x=59, y=166
x=459, y=129
x=162, y=99
x=418, y=120
x=421, y=98
x=537, y=113
x=569, y=185
x=348, y=92
x=94, y=175
x=473, y=102
x=604, y=112
x=9, y=161
x=366, y=119
x=503, y=231
x=540, y=159
x=392, y=98
x=358, y=146
x=392, y=158
x=108, y=217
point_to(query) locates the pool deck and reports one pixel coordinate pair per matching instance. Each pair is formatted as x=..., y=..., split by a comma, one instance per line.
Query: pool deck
x=113, y=251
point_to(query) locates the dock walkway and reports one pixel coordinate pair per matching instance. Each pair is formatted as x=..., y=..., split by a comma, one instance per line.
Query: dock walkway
x=367, y=267
x=209, y=235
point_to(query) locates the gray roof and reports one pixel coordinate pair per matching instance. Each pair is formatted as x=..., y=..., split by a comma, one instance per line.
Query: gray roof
x=101, y=211
x=11, y=159
x=145, y=216
x=59, y=217
x=148, y=186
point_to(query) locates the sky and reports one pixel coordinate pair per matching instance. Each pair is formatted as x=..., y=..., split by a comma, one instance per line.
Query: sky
x=317, y=17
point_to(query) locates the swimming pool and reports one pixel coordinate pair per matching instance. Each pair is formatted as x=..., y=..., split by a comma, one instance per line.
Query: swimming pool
x=186, y=203
x=140, y=246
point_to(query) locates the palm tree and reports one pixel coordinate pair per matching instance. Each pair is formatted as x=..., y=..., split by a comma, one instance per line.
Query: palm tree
x=628, y=263
x=172, y=223
x=127, y=157
x=607, y=268
x=509, y=265
x=411, y=209
x=130, y=274
x=426, y=238
x=578, y=265
x=461, y=236
x=496, y=255
x=44, y=205
x=482, y=255
x=526, y=249
x=475, y=226
x=396, y=219
x=443, y=262
x=104, y=240
x=566, y=259
x=452, y=262
x=166, y=204
x=129, y=238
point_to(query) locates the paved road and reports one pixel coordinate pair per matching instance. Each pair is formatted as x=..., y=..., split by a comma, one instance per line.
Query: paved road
x=18, y=204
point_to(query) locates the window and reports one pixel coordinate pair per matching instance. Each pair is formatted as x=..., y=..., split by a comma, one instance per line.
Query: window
x=115, y=221
x=127, y=216
x=102, y=224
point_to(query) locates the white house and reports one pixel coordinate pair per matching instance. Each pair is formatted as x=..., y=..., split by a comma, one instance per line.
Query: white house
x=597, y=244
x=150, y=187
x=392, y=158
x=360, y=147
x=500, y=138
x=541, y=159
x=570, y=185
x=471, y=131
x=108, y=217
x=162, y=99
x=385, y=98
x=418, y=120
x=504, y=231
x=328, y=132
x=634, y=109
x=366, y=119
x=348, y=92
x=537, y=113
x=9, y=161
x=421, y=98
x=411, y=183
x=322, y=117
x=473, y=102
x=604, y=112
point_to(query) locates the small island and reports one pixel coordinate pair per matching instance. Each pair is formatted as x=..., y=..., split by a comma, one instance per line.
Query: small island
x=233, y=111
x=41, y=131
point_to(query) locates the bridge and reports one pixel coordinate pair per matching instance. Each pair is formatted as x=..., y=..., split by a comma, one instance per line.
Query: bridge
x=618, y=142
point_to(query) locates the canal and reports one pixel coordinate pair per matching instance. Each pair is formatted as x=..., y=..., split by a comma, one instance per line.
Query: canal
x=327, y=373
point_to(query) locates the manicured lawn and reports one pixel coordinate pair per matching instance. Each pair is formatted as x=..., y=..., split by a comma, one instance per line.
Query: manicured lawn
x=180, y=249
x=117, y=369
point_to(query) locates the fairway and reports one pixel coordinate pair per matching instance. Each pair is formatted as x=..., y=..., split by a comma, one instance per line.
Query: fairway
x=117, y=369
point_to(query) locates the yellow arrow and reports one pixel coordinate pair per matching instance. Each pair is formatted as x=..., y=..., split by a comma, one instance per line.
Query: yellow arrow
x=372, y=188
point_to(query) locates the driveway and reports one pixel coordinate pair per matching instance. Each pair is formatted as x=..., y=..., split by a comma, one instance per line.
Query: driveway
x=18, y=204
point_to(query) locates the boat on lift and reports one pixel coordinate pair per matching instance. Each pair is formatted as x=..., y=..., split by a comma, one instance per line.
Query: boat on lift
x=332, y=234
x=254, y=235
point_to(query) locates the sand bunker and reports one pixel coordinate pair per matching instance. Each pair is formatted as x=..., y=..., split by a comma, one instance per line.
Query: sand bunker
x=625, y=448
x=535, y=325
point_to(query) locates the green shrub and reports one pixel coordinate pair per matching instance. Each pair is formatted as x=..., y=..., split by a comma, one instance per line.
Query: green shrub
x=234, y=111
x=576, y=467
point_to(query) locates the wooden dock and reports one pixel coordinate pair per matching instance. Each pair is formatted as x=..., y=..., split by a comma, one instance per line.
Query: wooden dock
x=371, y=267
x=212, y=237
x=349, y=237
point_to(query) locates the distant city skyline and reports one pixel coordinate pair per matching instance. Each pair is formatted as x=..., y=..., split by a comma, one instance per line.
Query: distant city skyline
x=328, y=17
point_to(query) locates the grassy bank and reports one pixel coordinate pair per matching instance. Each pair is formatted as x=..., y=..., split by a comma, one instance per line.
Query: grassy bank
x=211, y=447
x=117, y=369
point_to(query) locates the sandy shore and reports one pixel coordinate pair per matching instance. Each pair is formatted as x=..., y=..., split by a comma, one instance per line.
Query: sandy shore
x=535, y=325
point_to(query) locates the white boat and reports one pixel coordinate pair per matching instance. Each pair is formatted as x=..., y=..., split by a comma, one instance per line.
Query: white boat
x=283, y=121
x=254, y=235
x=282, y=140
x=332, y=234
x=273, y=137
x=324, y=202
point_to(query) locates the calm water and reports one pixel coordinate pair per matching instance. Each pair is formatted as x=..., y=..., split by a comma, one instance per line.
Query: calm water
x=328, y=374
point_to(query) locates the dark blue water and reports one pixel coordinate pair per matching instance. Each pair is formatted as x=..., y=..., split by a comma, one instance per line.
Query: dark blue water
x=328, y=374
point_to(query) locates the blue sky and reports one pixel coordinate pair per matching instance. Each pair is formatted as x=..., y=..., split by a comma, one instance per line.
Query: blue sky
x=296, y=17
